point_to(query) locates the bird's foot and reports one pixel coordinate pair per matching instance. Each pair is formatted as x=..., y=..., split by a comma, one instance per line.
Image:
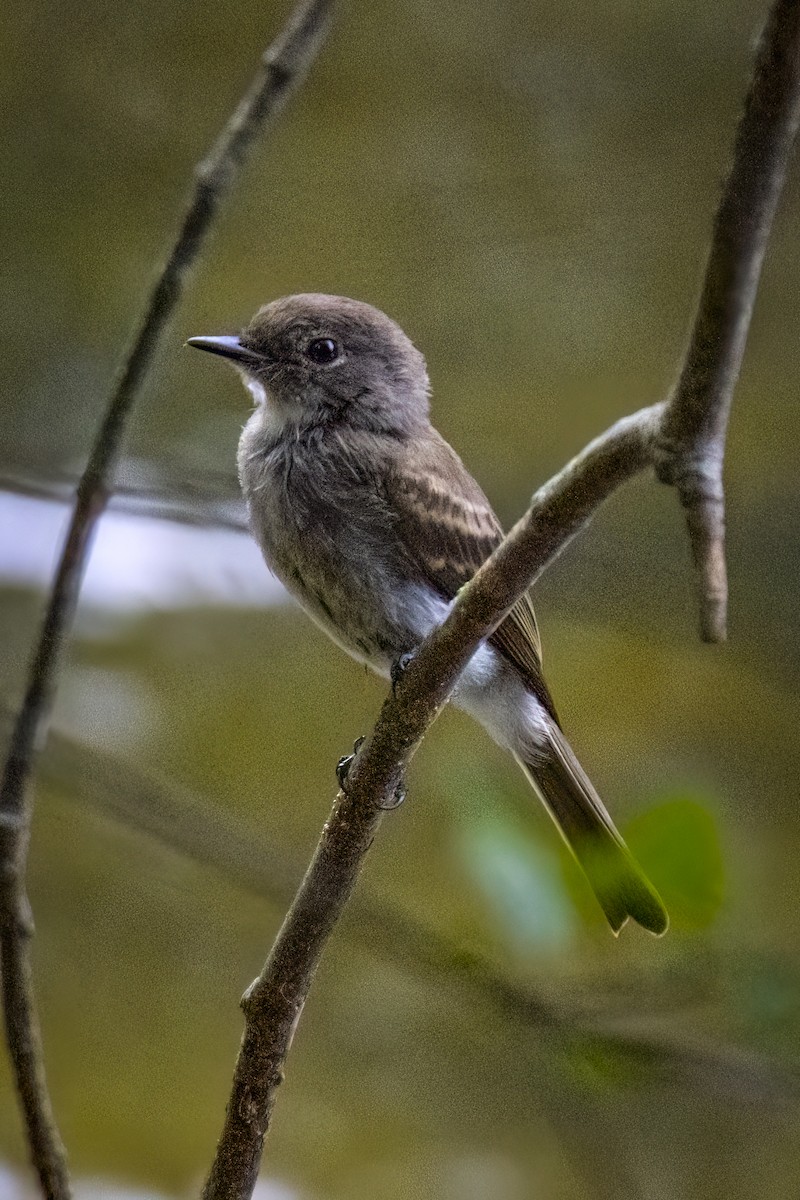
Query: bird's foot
x=399, y=668
x=344, y=764
x=396, y=799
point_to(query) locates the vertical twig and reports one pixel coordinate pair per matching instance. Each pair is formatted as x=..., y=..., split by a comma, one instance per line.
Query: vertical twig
x=283, y=68
x=691, y=442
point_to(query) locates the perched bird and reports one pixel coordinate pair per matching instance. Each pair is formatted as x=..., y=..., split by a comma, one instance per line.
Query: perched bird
x=373, y=523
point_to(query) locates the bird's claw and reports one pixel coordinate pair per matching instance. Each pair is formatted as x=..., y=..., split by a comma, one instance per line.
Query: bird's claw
x=399, y=668
x=345, y=763
x=395, y=800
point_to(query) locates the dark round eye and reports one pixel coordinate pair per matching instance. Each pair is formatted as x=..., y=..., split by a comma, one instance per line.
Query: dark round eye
x=322, y=350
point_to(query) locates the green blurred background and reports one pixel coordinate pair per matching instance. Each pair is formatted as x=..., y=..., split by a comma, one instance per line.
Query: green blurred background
x=528, y=190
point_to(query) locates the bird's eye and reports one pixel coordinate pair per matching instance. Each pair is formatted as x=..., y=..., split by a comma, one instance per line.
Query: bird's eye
x=322, y=350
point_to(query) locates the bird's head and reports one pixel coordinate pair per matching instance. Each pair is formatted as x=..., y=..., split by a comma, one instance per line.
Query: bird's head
x=314, y=360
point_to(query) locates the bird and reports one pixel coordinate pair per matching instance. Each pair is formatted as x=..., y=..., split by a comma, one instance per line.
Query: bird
x=372, y=521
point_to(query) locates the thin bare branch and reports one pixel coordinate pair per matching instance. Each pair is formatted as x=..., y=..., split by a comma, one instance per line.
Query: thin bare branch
x=683, y=439
x=691, y=442
x=282, y=69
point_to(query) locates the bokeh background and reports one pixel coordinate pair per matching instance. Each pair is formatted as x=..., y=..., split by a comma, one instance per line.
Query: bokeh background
x=528, y=189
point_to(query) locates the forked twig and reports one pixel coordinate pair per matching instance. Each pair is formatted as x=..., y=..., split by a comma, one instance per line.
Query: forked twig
x=690, y=448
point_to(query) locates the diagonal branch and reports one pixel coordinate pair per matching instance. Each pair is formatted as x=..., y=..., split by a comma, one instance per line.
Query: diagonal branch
x=683, y=439
x=691, y=441
x=274, y=1002
x=282, y=70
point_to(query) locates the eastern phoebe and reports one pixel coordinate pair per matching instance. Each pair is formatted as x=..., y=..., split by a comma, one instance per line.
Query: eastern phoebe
x=372, y=521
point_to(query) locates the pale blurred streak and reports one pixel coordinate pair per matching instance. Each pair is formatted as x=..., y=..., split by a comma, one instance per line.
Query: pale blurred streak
x=137, y=563
x=14, y=1186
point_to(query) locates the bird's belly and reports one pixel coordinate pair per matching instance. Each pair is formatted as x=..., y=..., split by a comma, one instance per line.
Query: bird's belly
x=350, y=613
x=340, y=575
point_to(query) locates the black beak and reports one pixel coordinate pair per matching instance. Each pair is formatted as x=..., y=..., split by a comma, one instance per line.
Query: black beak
x=228, y=347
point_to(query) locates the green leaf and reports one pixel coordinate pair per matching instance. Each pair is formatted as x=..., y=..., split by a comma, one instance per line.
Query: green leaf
x=678, y=846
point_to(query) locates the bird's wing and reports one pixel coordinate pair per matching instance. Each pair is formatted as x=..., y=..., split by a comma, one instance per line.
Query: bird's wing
x=448, y=529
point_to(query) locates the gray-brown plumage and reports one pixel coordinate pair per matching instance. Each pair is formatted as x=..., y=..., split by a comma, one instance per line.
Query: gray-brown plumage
x=373, y=522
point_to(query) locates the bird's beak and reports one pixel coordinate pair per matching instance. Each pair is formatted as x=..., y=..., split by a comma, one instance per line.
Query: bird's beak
x=228, y=347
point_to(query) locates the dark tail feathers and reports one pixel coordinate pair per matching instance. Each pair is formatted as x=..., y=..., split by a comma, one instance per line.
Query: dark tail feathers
x=618, y=882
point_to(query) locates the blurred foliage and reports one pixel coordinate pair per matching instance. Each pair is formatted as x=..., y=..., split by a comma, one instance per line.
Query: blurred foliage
x=677, y=844
x=528, y=189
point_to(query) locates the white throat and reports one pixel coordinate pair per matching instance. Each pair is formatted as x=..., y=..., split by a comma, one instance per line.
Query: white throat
x=255, y=388
x=270, y=419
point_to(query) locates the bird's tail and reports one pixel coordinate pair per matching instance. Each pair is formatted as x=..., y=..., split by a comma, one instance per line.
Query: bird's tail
x=620, y=885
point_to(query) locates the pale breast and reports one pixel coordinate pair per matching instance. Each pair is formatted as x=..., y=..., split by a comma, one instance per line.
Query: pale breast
x=325, y=531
